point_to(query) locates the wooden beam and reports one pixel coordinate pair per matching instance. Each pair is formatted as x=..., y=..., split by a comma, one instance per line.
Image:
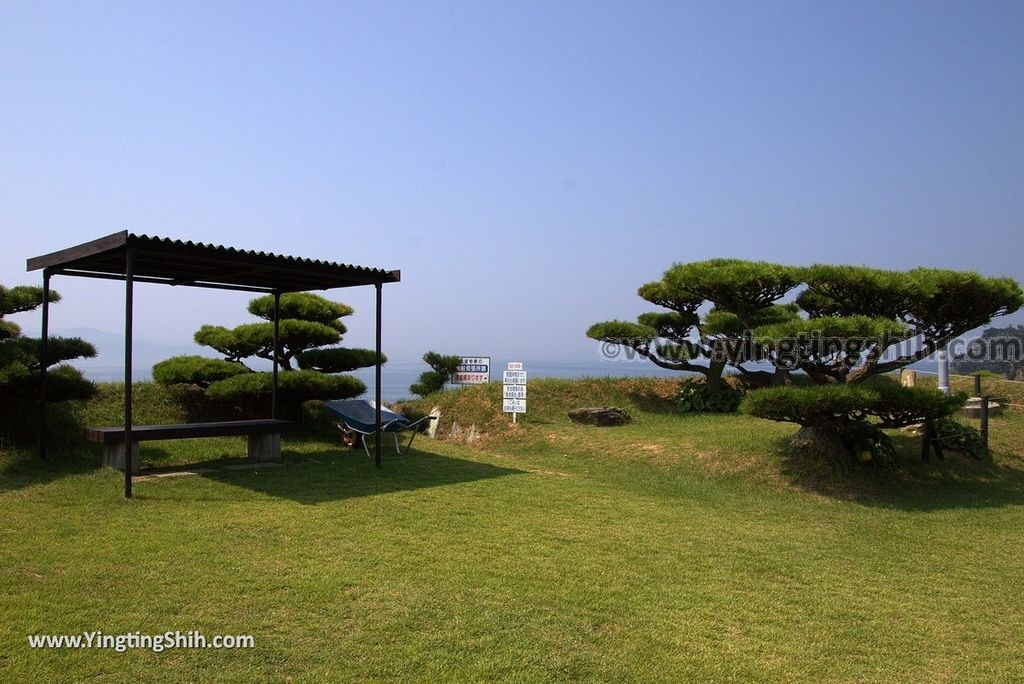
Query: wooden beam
x=128, y=296
x=44, y=351
x=377, y=446
x=277, y=352
x=165, y=281
x=67, y=257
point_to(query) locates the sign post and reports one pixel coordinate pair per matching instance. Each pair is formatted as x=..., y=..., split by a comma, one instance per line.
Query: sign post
x=472, y=370
x=513, y=390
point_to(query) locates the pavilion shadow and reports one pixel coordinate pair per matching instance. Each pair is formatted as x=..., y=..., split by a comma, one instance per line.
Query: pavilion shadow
x=331, y=475
x=69, y=453
x=32, y=472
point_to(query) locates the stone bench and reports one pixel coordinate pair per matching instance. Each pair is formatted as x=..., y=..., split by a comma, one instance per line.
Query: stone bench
x=264, y=443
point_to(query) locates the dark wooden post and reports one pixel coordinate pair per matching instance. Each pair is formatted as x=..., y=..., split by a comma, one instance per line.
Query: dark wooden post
x=977, y=385
x=926, y=440
x=937, y=445
x=129, y=277
x=984, y=421
x=44, y=350
x=377, y=447
x=277, y=352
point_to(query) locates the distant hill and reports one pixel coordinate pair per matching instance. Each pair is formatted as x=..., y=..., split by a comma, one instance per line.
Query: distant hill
x=109, y=364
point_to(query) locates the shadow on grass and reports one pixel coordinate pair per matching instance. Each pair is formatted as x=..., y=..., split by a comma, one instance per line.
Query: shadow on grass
x=331, y=475
x=19, y=470
x=67, y=451
x=311, y=472
x=908, y=483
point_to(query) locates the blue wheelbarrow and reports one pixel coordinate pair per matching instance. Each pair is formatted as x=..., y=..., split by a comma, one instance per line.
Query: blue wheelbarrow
x=359, y=420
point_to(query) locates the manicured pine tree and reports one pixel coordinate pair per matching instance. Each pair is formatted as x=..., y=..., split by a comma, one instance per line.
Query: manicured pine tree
x=312, y=365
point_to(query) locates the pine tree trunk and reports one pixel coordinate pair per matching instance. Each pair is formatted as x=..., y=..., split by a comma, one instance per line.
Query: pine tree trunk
x=713, y=378
x=820, y=441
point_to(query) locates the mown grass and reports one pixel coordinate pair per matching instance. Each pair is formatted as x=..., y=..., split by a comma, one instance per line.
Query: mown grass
x=677, y=548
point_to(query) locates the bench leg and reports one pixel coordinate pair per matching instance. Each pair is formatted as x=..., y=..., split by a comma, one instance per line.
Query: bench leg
x=113, y=456
x=264, y=447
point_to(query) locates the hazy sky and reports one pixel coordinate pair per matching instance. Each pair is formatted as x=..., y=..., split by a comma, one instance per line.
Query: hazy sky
x=526, y=164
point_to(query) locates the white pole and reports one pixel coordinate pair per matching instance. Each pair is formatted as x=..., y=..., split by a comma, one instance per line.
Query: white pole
x=943, y=358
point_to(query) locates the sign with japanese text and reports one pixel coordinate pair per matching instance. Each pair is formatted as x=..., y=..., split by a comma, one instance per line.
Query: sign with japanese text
x=514, y=377
x=513, y=406
x=513, y=389
x=472, y=370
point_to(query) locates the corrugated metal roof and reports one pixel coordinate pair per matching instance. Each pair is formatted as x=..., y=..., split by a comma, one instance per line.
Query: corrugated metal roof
x=177, y=262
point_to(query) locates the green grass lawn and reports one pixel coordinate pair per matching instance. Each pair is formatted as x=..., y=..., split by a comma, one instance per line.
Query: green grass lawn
x=677, y=548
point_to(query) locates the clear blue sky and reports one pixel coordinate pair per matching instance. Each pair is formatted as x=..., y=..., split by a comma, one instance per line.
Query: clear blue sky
x=526, y=164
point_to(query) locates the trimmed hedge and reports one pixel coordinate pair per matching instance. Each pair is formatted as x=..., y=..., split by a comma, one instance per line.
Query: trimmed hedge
x=195, y=370
x=337, y=359
x=292, y=386
x=891, y=405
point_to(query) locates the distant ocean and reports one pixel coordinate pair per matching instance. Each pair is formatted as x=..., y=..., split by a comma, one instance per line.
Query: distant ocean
x=396, y=376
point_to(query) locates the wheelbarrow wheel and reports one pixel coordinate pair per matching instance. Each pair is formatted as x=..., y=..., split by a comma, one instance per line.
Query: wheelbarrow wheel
x=351, y=439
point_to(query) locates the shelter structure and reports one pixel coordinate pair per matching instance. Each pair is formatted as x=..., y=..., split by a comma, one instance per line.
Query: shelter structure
x=148, y=259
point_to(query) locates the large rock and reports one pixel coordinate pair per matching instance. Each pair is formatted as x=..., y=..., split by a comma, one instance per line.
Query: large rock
x=603, y=415
x=972, y=408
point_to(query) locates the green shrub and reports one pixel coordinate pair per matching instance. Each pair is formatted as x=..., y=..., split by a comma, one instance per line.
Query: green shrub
x=851, y=416
x=21, y=358
x=195, y=370
x=304, y=306
x=249, y=395
x=898, y=406
x=693, y=397
x=21, y=381
x=689, y=397
x=724, y=399
x=338, y=359
x=956, y=436
x=63, y=383
x=292, y=385
x=803, y=405
x=889, y=404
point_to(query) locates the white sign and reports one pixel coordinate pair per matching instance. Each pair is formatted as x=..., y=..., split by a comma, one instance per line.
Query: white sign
x=513, y=406
x=472, y=370
x=513, y=391
x=514, y=377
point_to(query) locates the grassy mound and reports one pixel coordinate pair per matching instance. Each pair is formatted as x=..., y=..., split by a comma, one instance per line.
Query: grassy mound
x=548, y=401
